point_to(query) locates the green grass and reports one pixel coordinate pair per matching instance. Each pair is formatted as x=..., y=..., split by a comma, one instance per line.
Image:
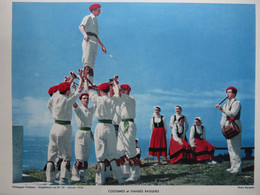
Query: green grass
x=177, y=174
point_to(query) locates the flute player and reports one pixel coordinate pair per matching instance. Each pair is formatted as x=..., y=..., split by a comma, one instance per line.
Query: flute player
x=231, y=112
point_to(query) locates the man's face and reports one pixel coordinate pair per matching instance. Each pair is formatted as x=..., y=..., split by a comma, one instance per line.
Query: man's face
x=230, y=94
x=178, y=110
x=96, y=12
x=124, y=91
x=84, y=100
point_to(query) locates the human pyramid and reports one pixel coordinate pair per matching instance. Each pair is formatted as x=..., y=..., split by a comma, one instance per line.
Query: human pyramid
x=115, y=133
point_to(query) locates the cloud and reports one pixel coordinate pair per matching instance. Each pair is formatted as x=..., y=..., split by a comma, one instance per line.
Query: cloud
x=31, y=112
x=191, y=98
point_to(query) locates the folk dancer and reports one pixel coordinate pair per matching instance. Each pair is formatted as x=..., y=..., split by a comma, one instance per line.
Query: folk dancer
x=105, y=136
x=60, y=139
x=89, y=29
x=83, y=138
x=127, y=134
x=158, y=143
x=179, y=148
x=203, y=150
x=231, y=112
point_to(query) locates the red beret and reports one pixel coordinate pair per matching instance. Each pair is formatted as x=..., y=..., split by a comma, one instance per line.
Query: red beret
x=233, y=89
x=94, y=6
x=125, y=86
x=62, y=87
x=104, y=86
x=82, y=95
x=53, y=89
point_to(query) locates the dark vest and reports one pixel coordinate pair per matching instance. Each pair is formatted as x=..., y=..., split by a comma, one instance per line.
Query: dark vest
x=197, y=135
x=160, y=124
x=179, y=134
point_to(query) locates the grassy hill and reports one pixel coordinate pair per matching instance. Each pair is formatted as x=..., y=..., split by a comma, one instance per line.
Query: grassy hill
x=177, y=174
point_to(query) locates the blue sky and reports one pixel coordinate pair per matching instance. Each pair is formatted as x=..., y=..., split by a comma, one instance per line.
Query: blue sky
x=169, y=53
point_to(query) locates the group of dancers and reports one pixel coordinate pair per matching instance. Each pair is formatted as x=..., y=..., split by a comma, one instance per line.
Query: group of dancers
x=115, y=132
x=198, y=150
x=114, y=138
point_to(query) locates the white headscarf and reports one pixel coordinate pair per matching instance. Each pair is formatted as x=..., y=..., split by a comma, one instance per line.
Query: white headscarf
x=198, y=118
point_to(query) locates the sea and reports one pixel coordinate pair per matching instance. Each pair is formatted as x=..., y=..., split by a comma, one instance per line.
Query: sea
x=35, y=150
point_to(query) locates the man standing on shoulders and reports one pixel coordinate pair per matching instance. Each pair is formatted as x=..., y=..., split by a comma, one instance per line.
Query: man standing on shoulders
x=231, y=112
x=89, y=29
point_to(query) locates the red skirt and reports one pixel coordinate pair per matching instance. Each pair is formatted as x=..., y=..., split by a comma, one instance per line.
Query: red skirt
x=204, y=150
x=158, y=143
x=178, y=151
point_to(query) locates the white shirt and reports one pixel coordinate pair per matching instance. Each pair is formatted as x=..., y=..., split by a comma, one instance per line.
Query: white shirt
x=117, y=118
x=227, y=112
x=84, y=116
x=157, y=119
x=106, y=106
x=199, y=131
x=186, y=124
x=90, y=24
x=60, y=105
x=127, y=107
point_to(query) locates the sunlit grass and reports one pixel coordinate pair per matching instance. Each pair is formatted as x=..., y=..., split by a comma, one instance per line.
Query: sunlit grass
x=177, y=174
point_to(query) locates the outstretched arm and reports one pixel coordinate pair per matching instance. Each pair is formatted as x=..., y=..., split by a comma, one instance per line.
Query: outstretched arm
x=101, y=44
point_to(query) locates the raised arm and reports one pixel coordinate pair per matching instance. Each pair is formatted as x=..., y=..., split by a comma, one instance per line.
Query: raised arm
x=80, y=71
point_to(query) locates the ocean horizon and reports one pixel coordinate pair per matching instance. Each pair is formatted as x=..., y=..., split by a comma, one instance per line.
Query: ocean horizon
x=35, y=150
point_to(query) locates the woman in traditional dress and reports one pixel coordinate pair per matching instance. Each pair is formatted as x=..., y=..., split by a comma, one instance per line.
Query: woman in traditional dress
x=203, y=150
x=158, y=143
x=179, y=148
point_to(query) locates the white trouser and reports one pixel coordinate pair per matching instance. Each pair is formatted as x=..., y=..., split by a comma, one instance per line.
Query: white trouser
x=126, y=139
x=60, y=145
x=79, y=175
x=50, y=175
x=60, y=142
x=83, y=141
x=64, y=172
x=105, y=148
x=126, y=170
x=89, y=53
x=135, y=172
x=234, y=150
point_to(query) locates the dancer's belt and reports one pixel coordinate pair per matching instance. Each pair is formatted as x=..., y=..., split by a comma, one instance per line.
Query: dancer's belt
x=116, y=127
x=105, y=121
x=232, y=119
x=61, y=122
x=92, y=34
x=85, y=128
x=128, y=119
